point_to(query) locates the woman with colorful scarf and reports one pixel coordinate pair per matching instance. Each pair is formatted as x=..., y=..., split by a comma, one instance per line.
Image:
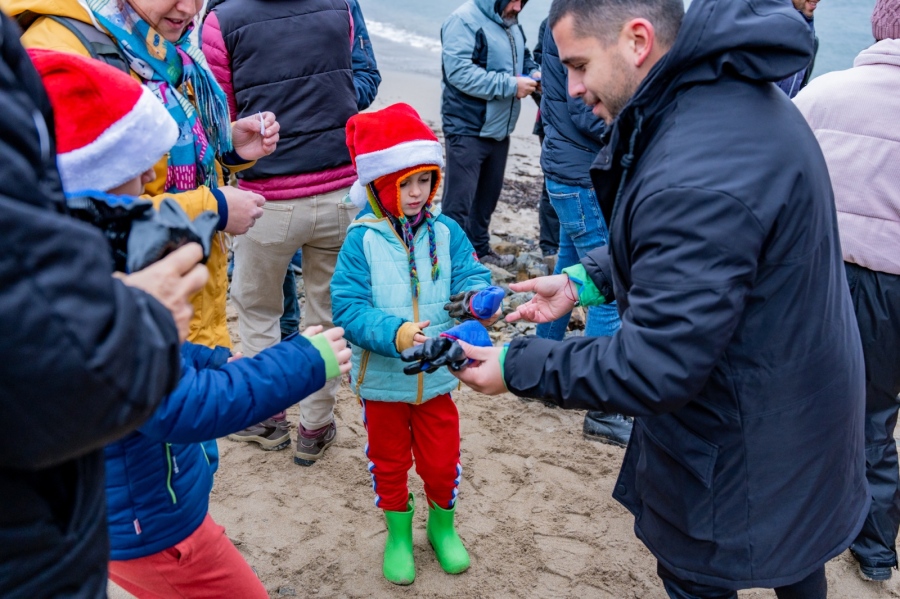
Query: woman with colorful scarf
x=158, y=40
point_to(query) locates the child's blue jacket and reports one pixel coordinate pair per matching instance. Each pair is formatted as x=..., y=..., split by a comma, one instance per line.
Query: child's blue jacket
x=371, y=297
x=158, y=478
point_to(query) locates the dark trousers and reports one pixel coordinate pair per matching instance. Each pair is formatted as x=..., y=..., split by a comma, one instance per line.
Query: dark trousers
x=813, y=586
x=548, y=221
x=475, y=169
x=876, y=301
x=290, y=320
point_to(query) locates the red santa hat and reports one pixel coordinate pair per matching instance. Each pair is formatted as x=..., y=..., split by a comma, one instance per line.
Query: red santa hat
x=387, y=142
x=109, y=127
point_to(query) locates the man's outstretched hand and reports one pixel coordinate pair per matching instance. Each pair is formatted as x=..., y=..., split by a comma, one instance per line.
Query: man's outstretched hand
x=484, y=374
x=554, y=296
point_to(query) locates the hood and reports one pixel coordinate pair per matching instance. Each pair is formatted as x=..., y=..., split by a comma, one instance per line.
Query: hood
x=883, y=52
x=366, y=218
x=760, y=40
x=59, y=8
x=492, y=9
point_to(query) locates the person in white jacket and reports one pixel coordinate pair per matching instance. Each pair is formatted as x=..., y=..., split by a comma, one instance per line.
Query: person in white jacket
x=854, y=114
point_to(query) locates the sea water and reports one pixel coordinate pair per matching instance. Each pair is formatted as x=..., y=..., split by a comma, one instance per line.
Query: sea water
x=406, y=34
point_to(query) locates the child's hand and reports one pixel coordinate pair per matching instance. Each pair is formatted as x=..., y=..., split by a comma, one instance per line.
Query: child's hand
x=236, y=356
x=310, y=331
x=335, y=337
x=420, y=338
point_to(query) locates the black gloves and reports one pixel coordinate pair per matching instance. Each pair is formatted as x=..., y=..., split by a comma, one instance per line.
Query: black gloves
x=434, y=353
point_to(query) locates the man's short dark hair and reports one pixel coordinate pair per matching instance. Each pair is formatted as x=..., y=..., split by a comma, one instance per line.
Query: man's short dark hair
x=604, y=19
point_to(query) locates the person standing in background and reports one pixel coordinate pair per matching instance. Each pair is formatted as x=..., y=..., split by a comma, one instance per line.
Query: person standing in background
x=571, y=143
x=548, y=222
x=854, y=114
x=315, y=81
x=793, y=84
x=487, y=70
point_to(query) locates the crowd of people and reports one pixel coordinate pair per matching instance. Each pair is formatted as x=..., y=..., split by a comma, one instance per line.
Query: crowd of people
x=730, y=225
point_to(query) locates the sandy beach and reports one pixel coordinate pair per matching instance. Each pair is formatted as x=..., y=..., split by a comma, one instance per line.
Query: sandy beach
x=535, y=507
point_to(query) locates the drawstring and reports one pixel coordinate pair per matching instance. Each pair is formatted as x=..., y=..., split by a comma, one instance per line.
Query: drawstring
x=628, y=159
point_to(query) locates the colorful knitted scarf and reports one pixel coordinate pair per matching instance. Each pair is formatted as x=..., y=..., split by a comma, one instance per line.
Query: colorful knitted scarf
x=407, y=229
x=172, y=71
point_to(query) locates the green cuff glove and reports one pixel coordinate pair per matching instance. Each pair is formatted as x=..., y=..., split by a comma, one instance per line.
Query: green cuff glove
x=503, y=353
x=588, y=294
x=332, y=369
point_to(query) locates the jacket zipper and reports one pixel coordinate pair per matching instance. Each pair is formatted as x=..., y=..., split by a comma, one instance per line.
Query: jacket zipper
x=170, y=460
x=512, y=46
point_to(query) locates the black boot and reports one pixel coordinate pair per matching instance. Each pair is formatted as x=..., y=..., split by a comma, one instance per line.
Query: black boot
x=606, y=427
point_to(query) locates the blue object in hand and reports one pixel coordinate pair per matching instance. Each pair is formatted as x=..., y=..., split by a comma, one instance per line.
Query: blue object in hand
x=444, y=350
x=480, y=305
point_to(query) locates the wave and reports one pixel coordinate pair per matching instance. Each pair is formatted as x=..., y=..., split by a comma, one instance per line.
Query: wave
x=401, y=36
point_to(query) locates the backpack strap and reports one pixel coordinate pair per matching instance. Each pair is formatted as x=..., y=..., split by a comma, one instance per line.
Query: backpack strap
x=94, y=41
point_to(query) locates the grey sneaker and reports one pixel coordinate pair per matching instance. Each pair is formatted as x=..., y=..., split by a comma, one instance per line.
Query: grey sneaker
x=501, y=260
x=311, y=445
x=270, y=434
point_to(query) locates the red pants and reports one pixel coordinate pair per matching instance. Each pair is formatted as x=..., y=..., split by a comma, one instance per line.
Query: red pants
x=399, y=431
x=204, y=565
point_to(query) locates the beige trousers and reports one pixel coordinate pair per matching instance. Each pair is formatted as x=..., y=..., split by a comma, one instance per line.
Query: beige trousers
x=317, y=225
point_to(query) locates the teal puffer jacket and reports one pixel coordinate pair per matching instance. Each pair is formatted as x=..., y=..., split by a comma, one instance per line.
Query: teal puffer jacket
x=371, y=298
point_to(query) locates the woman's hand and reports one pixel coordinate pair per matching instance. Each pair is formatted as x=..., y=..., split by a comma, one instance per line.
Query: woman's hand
x=255, y=136
x=554, y=296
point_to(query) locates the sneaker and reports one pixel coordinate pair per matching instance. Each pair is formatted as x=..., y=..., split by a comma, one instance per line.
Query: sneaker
x=604, y=427
x=270, y=434
x=501, y=260
x=873, y=574
x=311, y=445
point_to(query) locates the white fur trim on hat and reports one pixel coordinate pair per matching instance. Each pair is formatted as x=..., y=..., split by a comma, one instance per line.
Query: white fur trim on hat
x=359, y=195
x=131, y=146
x=396, y=158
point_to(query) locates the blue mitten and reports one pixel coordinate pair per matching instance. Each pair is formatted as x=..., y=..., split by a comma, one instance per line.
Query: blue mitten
x=480, y=305
x=444, y=350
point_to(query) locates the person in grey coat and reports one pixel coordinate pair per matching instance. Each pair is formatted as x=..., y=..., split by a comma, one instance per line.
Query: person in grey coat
x=738, y=354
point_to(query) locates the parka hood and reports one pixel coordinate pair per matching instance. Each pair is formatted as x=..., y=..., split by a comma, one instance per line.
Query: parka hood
x=494, y=8
x=60, y=8
x=886, y=51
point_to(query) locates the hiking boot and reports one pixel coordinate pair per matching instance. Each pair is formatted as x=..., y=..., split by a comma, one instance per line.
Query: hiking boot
x=269, y=434
x=448, y=547
x=872, y=573
x=501, y=260
x=311, y=444
x=605, y=427
x=398, y=565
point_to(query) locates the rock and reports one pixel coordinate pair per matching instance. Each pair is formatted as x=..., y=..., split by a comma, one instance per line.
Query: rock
x=287, y=591
x=506, y=247
x=494, y=240
x=538, y=270
x=577, y=320
x=499, y=274
x=517, y=299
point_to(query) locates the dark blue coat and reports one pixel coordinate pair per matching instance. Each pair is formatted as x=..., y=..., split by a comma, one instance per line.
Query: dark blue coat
x=158, y=478
x=738, y=353
x=571, y=131
x=83, y=358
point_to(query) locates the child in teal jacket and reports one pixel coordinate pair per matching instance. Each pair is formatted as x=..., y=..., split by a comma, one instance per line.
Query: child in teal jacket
x=397, y=269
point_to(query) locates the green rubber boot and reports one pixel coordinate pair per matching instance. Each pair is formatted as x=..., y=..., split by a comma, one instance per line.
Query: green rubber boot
x=398, y=566
x=448, y=547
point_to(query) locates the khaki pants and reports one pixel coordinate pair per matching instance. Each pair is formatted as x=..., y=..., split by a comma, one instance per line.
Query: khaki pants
x=317, y=225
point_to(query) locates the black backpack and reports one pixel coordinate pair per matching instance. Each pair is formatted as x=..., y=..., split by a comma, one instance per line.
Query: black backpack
x=96, y=42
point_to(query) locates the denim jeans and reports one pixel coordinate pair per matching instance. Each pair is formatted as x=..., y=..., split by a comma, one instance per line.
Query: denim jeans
x=581, y=229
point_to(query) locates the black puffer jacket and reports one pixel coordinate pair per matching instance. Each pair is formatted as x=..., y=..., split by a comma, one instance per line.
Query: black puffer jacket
x=739, y=353
x=83, y=358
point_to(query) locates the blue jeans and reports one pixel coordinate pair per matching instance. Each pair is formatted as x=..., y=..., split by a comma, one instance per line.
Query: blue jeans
x=581, y=229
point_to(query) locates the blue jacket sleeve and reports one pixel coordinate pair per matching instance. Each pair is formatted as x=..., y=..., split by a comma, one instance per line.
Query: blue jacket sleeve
x=458, y=43
x=366, y=77
x=352, y=303
x=200, y=356
x=213, y=402
x=468, y=273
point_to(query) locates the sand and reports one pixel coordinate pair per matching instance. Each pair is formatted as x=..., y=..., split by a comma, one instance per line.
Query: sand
x=535, y=509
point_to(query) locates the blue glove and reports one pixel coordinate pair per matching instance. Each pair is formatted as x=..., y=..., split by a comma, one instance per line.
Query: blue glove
x=444, y=350
x=480, y=305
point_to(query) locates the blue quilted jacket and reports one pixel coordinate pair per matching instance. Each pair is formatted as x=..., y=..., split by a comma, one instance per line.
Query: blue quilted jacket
x=159, y=477
x=371, y=297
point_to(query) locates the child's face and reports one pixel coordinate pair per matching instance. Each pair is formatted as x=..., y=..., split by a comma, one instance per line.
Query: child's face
x=134, y=187
x=414, y=192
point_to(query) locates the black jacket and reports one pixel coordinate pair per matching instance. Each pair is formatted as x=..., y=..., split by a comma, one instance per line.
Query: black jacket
x=571, y=131
x=738, y=353
x=83, y=358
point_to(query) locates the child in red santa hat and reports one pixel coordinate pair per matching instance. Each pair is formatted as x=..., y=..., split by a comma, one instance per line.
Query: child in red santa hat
x=397, y=270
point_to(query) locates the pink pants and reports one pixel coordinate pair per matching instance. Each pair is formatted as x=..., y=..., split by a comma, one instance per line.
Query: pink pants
x=206, y=565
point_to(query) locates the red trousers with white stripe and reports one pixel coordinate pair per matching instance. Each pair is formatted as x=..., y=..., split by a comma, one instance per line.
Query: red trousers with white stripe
x=399, y=432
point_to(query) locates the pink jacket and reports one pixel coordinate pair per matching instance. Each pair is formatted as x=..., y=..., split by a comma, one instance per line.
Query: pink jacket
x=275, y=188
x=855, y=115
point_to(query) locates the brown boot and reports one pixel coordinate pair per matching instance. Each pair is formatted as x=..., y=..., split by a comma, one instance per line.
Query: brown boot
x=311, y=444
x=269, y=434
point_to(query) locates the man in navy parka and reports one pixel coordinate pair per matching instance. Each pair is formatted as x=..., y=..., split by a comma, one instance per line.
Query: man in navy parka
x=738, y=353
